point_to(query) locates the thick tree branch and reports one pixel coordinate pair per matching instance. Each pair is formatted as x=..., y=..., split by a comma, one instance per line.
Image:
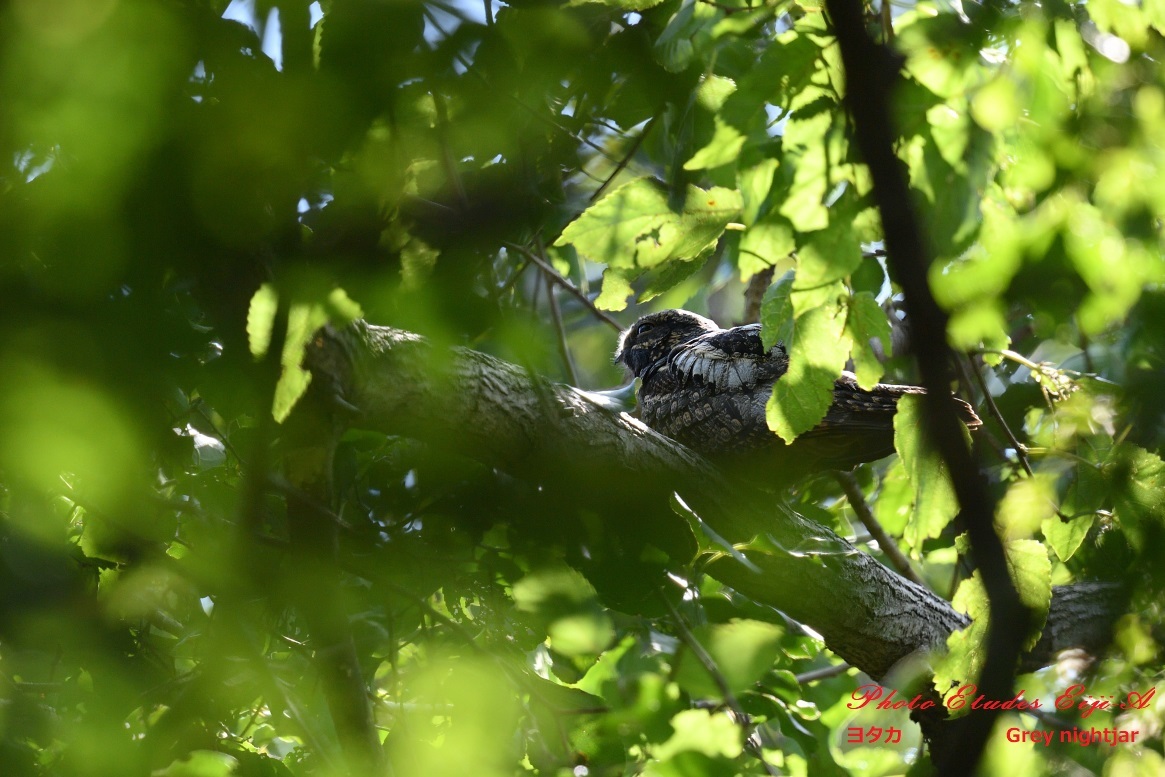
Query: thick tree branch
x=496, y=413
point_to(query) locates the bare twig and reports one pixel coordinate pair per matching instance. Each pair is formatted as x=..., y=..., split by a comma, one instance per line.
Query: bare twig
x=556, y=315
x=857, y=501
x=824, y=673
x=514, y=278
x=1021, y=451
x=564, y=283
x=993, y=409
x=755, y=293
x=626, y=160
x=691, y=643
x=201, y=410
x=560, y=330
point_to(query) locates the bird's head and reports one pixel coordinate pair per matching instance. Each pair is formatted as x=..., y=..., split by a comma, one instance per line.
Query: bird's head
x=652, y=337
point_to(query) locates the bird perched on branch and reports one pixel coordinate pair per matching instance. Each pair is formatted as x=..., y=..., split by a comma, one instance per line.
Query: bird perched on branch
x=706, y=387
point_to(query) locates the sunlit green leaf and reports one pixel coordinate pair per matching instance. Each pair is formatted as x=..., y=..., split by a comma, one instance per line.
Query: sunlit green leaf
x=818, y=351
x=1066, y=537
x=754, y=183
x=702, y=731
x=742, y=651
x=1027, y=504
x=996, y=105
x=643, y=224
x=201, y=763
x=303, y=321
x=1030, y=571
x=616, y=290
x=935, y=503
x=261, y=319
x=776, y=312
x=867, y=321
x=765, y=243
x=828, y=255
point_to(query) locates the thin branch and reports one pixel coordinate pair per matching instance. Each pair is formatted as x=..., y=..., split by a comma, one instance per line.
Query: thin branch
x=755, y=293
x=447, y=162
x=815, y=675
x=514, y=278
x=993, y=409
x=626, y=160
x=857, y=500
x=728, y=9
x=560, y=330
x=201, y=410
x=564, y=283
x=691, y=643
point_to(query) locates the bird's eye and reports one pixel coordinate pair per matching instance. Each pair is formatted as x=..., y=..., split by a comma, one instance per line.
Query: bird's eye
x=644, y=328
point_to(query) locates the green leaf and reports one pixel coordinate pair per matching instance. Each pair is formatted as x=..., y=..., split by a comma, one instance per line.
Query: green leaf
x=292, y=385
x=702, y=731
x=754, y=183
x=261, y=319
x=602, y=679
x=1027, y=504
x=1031, y=574
x=867, y=321
x=304, y=319
x=742, y=650
x=567, y=604
x=776, y=312
x=818, y=352
x=201, y=763
x=663, y=279
x=417, y=260
x=687, y=32
x=616, y=290
x=723, y=148
x=935, y=503
x=764, y=244
x=642, y=224
x=895, y=499
x=829, y=255
x=804, y=201
x=1137, y=480
x=996, y=106
x=1066, y=537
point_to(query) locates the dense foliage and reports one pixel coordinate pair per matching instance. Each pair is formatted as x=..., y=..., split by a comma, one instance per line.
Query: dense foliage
x=517, y=178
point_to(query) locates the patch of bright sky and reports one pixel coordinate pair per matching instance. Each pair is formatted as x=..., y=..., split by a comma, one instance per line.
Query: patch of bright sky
x=32, y=165
x=243, y=11
x=441, y=20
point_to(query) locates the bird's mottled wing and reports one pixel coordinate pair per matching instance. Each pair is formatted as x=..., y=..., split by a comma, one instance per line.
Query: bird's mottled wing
x=729, y=361
x=855, y=408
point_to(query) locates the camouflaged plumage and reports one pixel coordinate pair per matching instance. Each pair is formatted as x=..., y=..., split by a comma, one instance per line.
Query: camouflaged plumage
x=706, y=387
